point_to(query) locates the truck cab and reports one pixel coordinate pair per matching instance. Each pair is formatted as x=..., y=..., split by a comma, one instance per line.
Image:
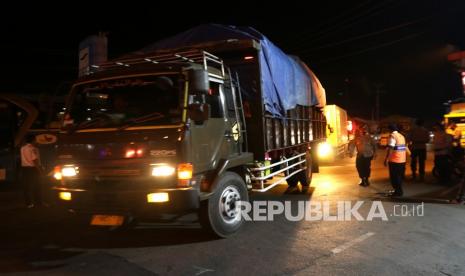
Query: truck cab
x=456, y=116
x=146, y=140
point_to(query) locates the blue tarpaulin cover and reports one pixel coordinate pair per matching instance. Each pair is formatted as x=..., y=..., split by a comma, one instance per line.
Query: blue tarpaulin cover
x=285, y=80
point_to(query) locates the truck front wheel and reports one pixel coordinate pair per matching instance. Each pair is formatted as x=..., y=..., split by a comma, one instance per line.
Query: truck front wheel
x=220, y=214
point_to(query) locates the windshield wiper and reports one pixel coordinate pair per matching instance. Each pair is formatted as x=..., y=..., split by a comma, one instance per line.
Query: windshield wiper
x=146, y=118
x=85, y=124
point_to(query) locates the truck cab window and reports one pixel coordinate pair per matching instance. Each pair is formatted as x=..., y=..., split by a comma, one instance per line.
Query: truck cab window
x=213, y=98
x=229, y=103
x=152, y=100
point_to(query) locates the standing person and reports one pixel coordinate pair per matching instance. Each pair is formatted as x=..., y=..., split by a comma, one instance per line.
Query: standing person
x=366, y=151
x=396, y=156
x=460, y=196
x=31, y=170
x=442, y=143
x=455, y=132
x=418, y=137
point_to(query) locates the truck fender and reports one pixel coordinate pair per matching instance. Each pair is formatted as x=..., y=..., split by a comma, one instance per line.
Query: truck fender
x=208, y=182
x=235, y=164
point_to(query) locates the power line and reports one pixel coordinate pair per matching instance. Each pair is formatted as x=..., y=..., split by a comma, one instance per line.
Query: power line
x=381, y=7
x=371, y=48
x=316, y=29
x=329, y=45
x=345, y=24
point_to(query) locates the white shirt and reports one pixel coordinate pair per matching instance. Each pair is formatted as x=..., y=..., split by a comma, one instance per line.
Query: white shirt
x=29, y=153
x=392, y=141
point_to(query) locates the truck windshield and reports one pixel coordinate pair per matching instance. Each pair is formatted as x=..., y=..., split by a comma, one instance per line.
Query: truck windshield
x=457, y=120
x=152, y=100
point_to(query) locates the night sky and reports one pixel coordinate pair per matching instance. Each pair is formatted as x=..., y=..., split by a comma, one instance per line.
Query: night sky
x=354, y=47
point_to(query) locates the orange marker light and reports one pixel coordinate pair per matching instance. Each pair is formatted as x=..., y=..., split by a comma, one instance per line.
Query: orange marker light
x=185, y=171
x=57, y=173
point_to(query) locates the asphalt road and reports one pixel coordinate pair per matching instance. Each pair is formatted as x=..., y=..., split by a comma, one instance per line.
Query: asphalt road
x=49, y=241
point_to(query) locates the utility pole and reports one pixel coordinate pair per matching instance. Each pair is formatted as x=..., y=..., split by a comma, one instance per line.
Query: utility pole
x=377, y=100
x=346, y=96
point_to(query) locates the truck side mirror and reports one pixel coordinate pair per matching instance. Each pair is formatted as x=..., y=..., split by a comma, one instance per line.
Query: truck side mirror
x=198, y=112
x=198, y=81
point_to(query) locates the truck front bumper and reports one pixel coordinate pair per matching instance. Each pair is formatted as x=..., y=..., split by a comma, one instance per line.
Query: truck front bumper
x=128, y=203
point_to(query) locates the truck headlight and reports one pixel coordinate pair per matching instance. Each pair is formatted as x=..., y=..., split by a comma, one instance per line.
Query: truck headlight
x=324, y=149
x=65, y=171
x=69, y=171
x=162, y=170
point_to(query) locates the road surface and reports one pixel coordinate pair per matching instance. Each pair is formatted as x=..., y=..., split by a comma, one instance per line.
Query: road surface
x=48, y=241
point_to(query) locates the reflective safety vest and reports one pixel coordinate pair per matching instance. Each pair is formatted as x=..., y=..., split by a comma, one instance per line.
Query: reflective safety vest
x=399, y=149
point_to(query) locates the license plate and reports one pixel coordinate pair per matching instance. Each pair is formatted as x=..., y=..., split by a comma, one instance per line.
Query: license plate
x=106, y=220
x=2, y=174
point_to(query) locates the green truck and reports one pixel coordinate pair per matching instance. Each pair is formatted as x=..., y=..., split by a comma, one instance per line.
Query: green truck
x=181, y=130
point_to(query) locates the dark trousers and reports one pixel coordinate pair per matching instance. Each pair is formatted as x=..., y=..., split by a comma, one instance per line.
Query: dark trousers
x=441, y=163
x=396, y=174
x=30, y=179
x=461, y=192
x=363, y=165
x=420, y=155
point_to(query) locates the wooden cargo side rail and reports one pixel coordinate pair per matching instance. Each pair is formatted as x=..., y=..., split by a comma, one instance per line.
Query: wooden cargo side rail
x=302, y=125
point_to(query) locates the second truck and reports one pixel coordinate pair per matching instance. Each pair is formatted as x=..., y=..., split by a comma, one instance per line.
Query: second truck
x=192, y=123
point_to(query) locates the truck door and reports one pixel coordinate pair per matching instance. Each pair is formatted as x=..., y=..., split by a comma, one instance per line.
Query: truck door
x=209, y=143
x=7, y=148
x=13, y=131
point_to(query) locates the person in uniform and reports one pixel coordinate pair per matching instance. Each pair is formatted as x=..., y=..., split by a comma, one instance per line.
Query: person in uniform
x=418, y=137
x=396, y=156
x=366, y=152
x=443, y=144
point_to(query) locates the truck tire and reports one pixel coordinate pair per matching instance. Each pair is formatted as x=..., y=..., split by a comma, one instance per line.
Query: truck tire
x=218, y=215
x=293, y=180
x=305, y=177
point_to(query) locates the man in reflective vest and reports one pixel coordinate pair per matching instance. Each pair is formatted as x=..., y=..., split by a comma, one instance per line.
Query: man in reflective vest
x=396, y=156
